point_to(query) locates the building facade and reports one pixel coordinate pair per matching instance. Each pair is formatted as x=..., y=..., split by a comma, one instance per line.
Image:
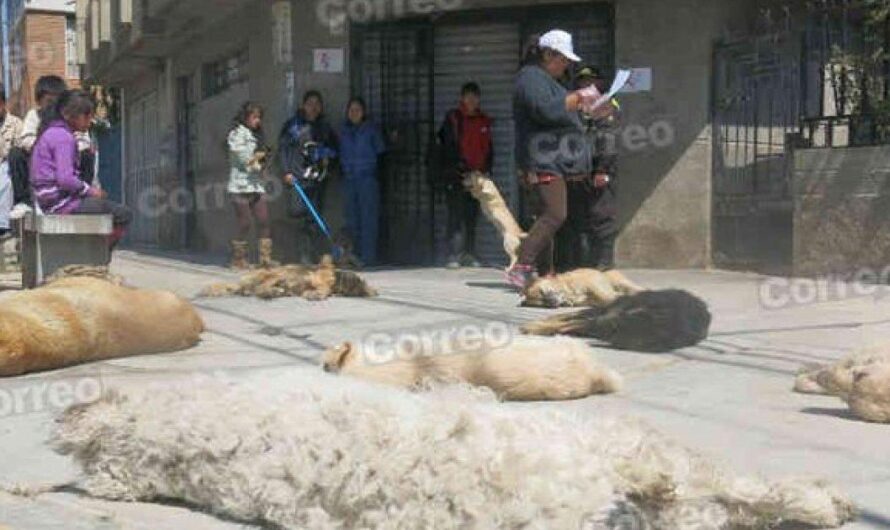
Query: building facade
x=184, y=68
x=39, y=38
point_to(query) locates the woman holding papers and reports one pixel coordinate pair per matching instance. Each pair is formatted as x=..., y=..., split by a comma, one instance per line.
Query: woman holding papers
x=550, y=144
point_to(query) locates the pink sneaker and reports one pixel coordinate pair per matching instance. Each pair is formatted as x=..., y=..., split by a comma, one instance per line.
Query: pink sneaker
x=521, y=276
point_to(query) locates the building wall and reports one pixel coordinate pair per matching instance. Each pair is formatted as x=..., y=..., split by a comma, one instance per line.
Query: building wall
x=665, y=191
x=39, y=41
x=841, y=200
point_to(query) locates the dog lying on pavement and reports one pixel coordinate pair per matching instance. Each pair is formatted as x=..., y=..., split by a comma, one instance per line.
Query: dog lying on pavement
x=579, y=288
x=648, y=321
x=79, y=319
x=311, y=283
x=862, y=380
x=527, y=369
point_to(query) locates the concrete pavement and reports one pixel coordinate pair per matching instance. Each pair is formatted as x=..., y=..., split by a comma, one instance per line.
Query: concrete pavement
x=729, y=397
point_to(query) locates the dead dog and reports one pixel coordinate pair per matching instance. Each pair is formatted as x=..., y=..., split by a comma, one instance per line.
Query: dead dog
x=525, y=370
x=862, y=380
x=79, y=319
x=648, y=321
x=579, y=288
x=311, y=283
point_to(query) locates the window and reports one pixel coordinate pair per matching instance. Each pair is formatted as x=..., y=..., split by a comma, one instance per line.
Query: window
x=222, y=74
x=72, y=67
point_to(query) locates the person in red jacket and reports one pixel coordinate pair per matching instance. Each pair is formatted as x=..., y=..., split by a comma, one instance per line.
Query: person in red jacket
x=466, y=136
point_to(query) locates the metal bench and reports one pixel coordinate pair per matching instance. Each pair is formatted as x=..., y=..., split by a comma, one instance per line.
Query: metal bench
x=51, y=242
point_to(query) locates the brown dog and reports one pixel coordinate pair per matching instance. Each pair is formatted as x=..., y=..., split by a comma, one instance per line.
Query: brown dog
x=78, y=319
x=312, y=283
x=862, y=380
x=526, y=370
x=579, y=288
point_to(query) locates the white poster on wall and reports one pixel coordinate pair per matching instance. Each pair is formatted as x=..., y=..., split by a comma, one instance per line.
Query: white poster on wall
x=281, y=32
x=640, y=81
x=328, y=60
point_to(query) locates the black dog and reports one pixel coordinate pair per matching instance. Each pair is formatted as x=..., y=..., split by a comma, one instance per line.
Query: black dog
x=649, y=321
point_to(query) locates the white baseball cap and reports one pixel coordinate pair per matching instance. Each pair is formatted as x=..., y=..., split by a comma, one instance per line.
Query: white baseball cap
x=560, y=41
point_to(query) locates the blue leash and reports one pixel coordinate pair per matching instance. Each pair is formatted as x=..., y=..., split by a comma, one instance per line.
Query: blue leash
x=338, y=252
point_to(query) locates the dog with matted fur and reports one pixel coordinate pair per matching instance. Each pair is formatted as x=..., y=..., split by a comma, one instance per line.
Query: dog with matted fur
x=527, y=369
x=578, y=288
x=311, y=283
x=79, y=319
x=862, y=380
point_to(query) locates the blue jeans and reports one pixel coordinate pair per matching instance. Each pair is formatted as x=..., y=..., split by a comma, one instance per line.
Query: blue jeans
x=362, y=216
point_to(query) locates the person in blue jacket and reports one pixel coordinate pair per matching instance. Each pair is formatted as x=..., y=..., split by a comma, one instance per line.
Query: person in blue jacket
x=361, y=145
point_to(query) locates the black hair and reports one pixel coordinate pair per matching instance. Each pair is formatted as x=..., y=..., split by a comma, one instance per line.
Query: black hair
x=49, y=85
x=309, y=94
x=532, y=52
x=71, y=103
x=470, y=88
x=247, y=109
x=361, y=103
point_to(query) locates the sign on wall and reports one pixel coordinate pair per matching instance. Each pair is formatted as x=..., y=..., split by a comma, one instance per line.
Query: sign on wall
x=640, y=81
x=328, y=60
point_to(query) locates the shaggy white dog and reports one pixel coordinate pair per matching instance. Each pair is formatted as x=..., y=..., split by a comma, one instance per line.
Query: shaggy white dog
x=298, y=451
x=862, y=380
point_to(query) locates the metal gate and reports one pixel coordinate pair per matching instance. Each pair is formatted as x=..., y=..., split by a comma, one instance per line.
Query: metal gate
x=141, y=191
x=756, y=114
x=394, y=72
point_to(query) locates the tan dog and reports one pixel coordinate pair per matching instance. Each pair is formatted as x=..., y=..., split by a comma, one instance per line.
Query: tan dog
x=312, y=283
x=862, y=380
x=579, y=288
x=74, y=320
x=484, y=190
x=526, y=370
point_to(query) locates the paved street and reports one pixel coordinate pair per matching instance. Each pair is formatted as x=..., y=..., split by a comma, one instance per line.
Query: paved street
x=729, y=397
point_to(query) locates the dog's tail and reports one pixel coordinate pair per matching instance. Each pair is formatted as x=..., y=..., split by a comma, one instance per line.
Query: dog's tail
x=649, y=321
x=604, y=380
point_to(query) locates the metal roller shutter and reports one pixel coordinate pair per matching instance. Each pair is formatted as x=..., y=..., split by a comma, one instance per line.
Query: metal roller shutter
x=488, y=55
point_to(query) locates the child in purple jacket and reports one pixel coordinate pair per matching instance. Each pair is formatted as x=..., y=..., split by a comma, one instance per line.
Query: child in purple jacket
x=55, y=183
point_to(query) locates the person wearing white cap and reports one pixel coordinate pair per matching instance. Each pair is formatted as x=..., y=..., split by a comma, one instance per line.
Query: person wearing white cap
x=547, y=123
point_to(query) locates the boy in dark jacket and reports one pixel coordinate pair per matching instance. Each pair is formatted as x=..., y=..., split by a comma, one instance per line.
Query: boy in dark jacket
x=466, y=137
x=306, y=145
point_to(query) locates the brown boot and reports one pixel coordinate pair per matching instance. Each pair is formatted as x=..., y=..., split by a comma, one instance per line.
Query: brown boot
x=266, y=260
x=239, y=255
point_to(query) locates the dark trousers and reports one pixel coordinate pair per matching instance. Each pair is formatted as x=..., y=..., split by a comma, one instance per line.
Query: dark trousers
x=587, y=240
x=363, y=216
x=120, y=214
x=463, y=212
x=311, y=242
x=18, y=174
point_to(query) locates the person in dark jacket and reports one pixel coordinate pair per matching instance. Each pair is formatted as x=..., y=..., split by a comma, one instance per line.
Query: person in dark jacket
x=588, y=237
x=466, y=136
x=550, y=142
x=306, y=146
x=361, y=144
